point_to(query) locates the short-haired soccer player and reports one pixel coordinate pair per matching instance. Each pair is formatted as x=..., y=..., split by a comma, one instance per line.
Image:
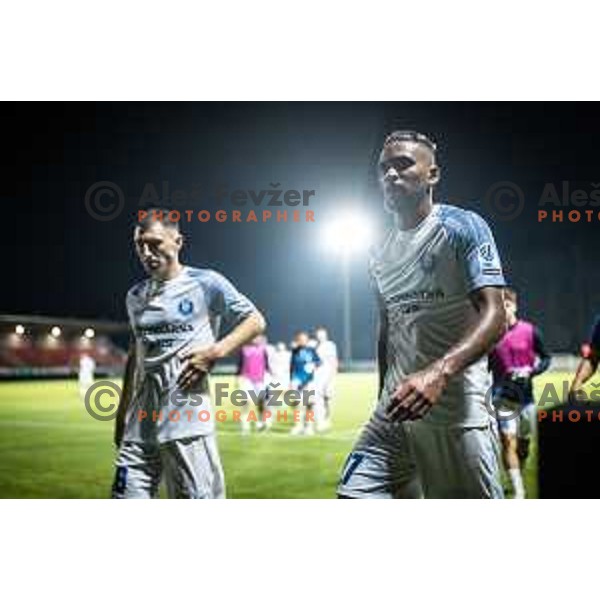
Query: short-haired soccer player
x=165, y=425
x=518, y=357
x=438, y=280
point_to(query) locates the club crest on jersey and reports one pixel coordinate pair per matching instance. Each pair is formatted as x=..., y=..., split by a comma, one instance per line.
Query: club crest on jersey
x=486, y=252
x=427, y=263
x=186, y=307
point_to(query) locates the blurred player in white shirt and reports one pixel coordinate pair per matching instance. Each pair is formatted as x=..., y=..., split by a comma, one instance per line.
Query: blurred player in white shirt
x=87, y=366
x=325, y=375
x=279, y=365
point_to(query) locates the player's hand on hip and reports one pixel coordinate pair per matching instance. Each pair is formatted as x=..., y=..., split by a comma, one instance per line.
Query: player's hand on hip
x=196, y=364
x=416, y=395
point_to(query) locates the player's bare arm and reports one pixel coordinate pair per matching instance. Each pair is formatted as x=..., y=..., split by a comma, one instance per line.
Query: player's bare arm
x=126, y=395
x=382, y=345
x=418, y=393
x=199, y=361
x=585, y=370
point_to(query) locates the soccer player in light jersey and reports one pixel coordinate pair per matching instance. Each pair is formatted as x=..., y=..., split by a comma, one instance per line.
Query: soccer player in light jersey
x=87, y=366
x=325, y=376
x=438, y=280
x=279, y=365
x=253, y=376
x=164, y=424
x=518, y=357
x=590, y=357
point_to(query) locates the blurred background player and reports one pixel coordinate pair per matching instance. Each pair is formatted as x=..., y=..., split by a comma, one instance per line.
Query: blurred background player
x=304, y=363
x=279, y=365
x=325, y=376
x=590, y=357
x=253, y=376
x=518, y=357
x=87, y=366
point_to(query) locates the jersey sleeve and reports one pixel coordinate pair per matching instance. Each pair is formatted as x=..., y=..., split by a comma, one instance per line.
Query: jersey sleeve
x=225, y=301
x=131, y=299
x=476, y=250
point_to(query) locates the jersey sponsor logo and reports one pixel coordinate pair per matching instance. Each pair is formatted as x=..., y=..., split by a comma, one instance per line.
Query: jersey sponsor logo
x=186, y=307
x=165, y=328
x=425, y=296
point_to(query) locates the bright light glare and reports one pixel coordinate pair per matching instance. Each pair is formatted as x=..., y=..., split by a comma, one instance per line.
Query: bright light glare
x=349, y=234
x=55, y=331
x=89, y=333
x=19, y=330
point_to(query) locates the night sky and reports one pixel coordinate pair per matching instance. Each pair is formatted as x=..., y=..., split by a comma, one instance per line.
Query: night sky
x=61, y=261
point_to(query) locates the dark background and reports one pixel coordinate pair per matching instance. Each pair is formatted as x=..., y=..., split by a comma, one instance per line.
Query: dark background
x=60, y=261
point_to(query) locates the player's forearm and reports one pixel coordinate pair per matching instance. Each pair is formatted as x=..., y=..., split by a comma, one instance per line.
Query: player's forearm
x=125, y=396
x=248, y=329
x=587, y=367
x=543, y=356
x=381, y=362
x=482, y=337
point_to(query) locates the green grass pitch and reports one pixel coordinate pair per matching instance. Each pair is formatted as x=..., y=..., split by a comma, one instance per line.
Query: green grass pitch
x=51, y=448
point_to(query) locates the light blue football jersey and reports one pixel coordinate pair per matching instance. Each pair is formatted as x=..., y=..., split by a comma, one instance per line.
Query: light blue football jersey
x=423, y=278
x=166, y=319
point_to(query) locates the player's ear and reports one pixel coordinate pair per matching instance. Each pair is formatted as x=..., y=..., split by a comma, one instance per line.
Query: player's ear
x=434, y=175
x=179, y=240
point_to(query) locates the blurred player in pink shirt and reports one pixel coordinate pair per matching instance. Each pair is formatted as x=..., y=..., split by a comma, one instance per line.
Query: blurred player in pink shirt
x=253, y=376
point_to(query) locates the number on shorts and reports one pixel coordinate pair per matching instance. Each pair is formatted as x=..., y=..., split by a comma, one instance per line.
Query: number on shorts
x=120, y=483
x=354, y=459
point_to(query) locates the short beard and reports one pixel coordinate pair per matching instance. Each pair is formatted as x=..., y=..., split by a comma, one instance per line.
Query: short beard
x=406, y=204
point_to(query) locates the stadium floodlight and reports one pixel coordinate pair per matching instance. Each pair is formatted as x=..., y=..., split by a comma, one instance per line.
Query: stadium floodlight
x=55, y=331
x=19, y=330
x=346, y=236
x=349, y=234
x=89, y=333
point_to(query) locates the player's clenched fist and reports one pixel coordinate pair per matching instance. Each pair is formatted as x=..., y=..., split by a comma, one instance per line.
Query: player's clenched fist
x=418, y=393
x=196, y=364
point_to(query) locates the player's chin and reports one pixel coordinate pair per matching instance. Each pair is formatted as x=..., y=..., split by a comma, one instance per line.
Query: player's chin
x=393, y=203
x=155, y=270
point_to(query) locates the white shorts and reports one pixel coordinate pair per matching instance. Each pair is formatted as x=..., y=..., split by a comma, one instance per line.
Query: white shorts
x=191, y=468
x=523, y=426
x=417, y=459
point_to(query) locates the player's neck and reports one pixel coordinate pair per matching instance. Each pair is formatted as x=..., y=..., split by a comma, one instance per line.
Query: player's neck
x=410, y=220
x=174, y=270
